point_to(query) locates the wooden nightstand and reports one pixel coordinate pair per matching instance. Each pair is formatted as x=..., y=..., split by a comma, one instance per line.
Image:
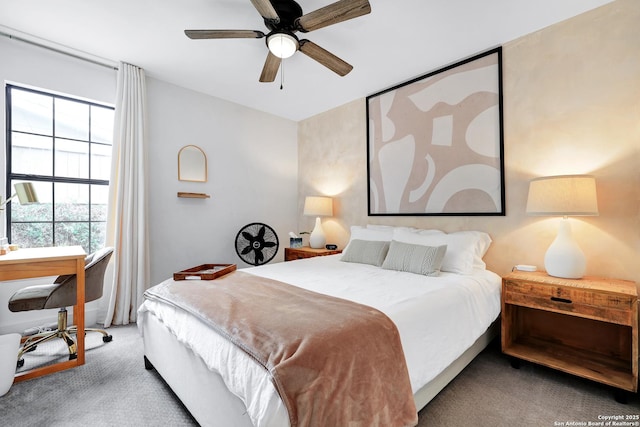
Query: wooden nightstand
x=586, y=327
x=291, y=254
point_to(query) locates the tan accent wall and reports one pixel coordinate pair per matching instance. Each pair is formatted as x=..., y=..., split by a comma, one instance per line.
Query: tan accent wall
x=571, y=105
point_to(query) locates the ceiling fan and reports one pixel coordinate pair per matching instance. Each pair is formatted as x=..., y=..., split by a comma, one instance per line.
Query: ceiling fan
x=283, y=18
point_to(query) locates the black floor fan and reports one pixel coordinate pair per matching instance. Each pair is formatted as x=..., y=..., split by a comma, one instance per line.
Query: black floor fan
x=256, y=243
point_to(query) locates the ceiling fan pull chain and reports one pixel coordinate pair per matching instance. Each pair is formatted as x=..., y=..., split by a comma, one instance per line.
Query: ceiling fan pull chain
x=281, y=74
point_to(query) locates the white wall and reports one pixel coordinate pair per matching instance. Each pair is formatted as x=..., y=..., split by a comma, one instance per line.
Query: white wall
x=252, y=168
x=252, y=177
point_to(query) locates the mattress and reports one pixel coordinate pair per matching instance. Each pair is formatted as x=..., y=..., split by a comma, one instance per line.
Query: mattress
x=438, y=318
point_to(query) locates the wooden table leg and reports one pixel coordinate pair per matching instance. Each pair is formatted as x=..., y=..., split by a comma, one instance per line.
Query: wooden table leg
x=78, y=311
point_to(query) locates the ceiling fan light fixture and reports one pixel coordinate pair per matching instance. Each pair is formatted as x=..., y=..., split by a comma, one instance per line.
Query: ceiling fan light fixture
x=283, y=45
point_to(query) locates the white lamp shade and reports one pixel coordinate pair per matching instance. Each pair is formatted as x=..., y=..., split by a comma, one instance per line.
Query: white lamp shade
x=318, y=206
x=282, y=45
x=563, y=195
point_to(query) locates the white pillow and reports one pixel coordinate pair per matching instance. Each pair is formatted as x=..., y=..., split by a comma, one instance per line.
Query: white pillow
x=380, y=227
x=363, y=233
x=393, y=227
x=389, y=227
x=427, y=231
x=478, y=242
x=465, y=249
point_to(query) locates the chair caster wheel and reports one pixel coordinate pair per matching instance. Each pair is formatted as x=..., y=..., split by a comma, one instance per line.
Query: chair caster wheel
x=107, y=338
x=20, y=363
x=73, y=356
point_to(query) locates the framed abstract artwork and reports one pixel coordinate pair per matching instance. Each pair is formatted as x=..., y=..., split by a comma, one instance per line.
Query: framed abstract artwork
x=435, y=143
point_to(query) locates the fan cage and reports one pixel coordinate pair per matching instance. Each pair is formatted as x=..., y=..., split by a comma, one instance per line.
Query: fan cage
x=257, y=243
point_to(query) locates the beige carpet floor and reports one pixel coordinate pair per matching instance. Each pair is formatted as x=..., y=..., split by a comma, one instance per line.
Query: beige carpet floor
x=114, y=389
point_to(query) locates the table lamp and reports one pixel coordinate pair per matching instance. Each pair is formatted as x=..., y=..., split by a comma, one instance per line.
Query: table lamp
x=318, y=206
x=563, y=195
x=26, y=195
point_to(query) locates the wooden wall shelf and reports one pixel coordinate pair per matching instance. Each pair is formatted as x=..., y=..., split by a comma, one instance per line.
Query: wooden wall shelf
x=193, y=195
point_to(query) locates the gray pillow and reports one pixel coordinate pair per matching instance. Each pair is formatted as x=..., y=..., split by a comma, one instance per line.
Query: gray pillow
x=366, y=252
x=418, y=259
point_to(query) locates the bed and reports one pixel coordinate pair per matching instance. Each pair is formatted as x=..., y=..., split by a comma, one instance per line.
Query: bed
x=444, y=319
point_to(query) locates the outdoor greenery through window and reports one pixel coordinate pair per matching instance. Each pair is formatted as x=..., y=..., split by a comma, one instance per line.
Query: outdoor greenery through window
x=63, y=146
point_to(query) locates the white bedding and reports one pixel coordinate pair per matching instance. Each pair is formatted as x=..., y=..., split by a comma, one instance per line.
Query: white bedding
x=438, y=319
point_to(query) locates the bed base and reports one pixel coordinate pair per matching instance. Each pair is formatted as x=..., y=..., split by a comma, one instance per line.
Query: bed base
x=435, y=386
x=208, y=400
x=201, y=391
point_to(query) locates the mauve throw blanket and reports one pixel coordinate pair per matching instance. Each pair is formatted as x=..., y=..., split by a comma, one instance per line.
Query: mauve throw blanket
x=334, y=362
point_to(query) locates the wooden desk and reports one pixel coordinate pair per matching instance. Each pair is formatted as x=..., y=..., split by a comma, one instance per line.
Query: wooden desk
x=41, y=262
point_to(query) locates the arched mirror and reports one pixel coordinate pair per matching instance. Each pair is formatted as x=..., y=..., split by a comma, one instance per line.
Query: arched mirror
x=192, y=164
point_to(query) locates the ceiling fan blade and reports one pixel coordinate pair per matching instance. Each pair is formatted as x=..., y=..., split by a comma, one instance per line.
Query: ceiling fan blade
x=332, y=14
x=266, y=10
x=270, y=69
x=325, y=57
x=224, y=34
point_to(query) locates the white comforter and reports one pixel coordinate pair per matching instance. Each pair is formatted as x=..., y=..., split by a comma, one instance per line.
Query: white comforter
x=438, y=319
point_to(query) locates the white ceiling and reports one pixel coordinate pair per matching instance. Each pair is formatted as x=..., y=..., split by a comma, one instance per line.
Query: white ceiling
x=399, y=40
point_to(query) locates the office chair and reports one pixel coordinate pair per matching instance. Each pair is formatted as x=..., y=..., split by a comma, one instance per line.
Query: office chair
x=62, y=294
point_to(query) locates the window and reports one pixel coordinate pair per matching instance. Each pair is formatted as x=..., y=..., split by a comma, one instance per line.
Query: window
x=63, y=146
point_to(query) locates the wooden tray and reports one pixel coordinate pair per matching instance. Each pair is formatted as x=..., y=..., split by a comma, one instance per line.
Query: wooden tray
x=204, y=272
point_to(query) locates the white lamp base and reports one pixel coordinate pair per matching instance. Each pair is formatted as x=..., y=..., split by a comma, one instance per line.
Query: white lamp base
x=317, y=239
x=564, y=258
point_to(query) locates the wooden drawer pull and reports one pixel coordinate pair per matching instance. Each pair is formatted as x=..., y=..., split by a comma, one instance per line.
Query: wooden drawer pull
x=563, y=300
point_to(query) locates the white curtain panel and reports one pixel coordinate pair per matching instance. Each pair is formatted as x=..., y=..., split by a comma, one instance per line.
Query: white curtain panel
x=127, y=229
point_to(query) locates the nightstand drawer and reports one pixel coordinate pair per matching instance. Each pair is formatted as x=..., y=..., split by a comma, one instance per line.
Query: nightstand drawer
x=615, y=308
x=575, y=295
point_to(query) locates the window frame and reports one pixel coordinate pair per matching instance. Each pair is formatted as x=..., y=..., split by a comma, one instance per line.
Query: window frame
x=51, y=179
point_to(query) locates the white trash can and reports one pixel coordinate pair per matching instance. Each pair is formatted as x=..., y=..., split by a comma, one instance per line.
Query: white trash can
x=9, y=345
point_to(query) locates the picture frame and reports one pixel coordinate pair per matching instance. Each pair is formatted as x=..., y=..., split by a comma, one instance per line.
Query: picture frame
x=435, y=144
